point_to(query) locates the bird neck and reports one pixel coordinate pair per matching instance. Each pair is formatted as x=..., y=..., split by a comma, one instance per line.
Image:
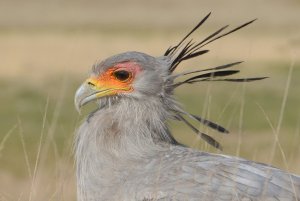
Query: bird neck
x=129, y=126
x=117, y=138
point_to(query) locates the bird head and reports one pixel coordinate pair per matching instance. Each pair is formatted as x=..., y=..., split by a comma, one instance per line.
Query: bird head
x=126, y=75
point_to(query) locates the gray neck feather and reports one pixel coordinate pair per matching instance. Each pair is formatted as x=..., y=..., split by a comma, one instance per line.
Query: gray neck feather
x=116, y=136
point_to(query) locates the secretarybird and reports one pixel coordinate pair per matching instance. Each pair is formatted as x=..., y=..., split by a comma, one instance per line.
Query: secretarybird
x=125, y=151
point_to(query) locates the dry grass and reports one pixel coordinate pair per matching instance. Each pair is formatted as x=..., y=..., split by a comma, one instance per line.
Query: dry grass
x=47, y=48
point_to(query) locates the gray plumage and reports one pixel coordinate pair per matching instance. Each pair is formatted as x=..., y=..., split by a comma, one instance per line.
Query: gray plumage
x=125, y=152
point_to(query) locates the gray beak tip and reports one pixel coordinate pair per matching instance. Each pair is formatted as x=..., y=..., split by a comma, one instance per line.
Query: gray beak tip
x=78, y=109
x=77, y=106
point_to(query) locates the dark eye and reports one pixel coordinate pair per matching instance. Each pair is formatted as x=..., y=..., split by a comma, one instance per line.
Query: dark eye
x=122, y=75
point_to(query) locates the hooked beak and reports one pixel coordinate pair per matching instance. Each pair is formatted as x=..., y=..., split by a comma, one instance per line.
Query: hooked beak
x=91, y=90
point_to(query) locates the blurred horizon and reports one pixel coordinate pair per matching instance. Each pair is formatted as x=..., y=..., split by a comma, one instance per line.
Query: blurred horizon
x=73, y=26
x=99, y=15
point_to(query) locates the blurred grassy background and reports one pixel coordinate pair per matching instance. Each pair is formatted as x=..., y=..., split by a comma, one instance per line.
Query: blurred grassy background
x=48, y=47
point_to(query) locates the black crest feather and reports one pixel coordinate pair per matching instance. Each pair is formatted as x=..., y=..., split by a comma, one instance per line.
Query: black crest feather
x=204, y=136
x=188, y=49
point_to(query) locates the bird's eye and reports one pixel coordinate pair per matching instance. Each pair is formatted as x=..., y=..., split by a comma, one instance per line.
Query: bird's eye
x=122, y=75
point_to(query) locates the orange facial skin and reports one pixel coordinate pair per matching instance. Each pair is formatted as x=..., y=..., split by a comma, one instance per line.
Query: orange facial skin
x=108, y=81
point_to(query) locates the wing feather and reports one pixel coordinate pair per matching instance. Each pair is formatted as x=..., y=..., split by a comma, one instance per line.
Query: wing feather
x=193, y=175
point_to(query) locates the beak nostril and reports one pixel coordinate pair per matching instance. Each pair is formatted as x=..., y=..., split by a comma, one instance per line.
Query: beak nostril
x=91, y=84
